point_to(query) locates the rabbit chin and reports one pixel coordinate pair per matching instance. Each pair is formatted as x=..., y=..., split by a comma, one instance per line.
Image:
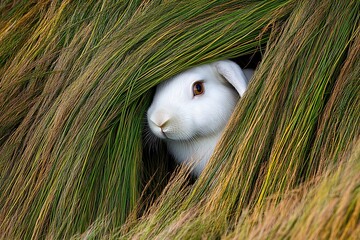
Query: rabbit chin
x=195, y=152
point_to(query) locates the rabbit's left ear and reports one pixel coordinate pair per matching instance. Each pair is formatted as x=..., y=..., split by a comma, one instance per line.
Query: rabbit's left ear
x=233, y=74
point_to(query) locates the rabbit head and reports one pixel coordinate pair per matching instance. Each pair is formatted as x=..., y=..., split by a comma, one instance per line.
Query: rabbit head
x=190, y=111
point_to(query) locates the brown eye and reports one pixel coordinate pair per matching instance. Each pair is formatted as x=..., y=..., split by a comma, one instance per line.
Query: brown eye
x=198, y=88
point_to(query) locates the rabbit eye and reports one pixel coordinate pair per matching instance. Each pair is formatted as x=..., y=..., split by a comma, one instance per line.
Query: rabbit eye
x=198, y=88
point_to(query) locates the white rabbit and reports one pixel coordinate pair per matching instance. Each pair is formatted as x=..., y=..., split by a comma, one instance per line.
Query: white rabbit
x=189, y=111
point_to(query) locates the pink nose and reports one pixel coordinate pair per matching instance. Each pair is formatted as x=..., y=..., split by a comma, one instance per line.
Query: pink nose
x=160, y=119
x=162, y=124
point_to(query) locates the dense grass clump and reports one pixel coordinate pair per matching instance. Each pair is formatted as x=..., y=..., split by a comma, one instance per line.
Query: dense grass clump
x=76, y=78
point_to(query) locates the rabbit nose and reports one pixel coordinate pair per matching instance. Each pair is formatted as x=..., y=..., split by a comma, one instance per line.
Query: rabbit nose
x=162, y=124
x=160, y=120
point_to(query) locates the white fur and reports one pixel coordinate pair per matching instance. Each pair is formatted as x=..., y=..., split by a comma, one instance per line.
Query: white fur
x=192, y=125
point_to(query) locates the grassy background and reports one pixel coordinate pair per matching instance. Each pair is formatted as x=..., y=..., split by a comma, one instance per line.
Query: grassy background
x=77, y=78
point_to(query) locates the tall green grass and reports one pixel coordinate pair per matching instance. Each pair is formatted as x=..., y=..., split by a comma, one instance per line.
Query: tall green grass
x=287, y=130
x=77, y=78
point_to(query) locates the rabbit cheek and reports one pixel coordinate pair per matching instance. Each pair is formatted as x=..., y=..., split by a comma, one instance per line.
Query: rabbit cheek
x=168, y=125
x=180, y=128
x=216, y=115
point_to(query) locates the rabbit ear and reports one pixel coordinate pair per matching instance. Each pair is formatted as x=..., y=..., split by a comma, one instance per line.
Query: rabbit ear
x=233, y=74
